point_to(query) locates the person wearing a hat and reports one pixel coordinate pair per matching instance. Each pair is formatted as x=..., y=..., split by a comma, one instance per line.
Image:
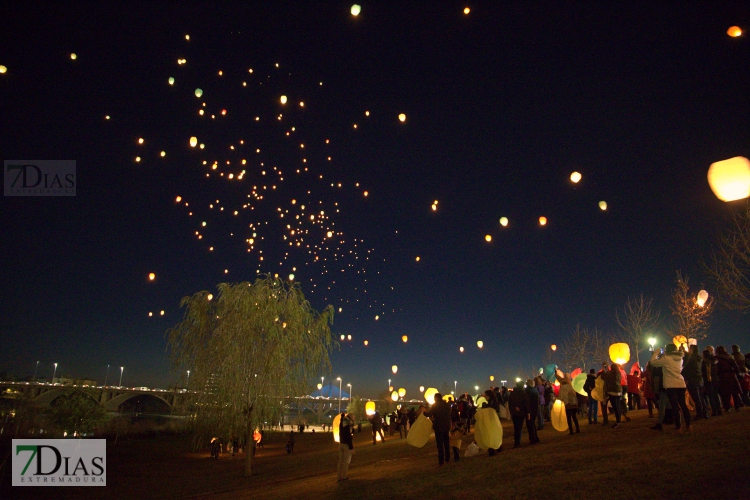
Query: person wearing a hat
x=671, y=364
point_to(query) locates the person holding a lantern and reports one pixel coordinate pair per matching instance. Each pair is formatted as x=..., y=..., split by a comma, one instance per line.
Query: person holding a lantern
x=346, y=447
x=671, y=364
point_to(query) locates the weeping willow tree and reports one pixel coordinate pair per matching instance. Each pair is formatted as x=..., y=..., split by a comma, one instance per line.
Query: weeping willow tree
x=247, y=349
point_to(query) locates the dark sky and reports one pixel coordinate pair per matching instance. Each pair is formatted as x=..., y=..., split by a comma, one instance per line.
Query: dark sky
x=502, y=105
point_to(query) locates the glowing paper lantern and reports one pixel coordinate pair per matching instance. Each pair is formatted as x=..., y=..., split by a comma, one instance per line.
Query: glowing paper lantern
x=283, y=99
x=488, y=431
x=429, y=395
x=557, y=415
x=575, y=177
x=734, y=31
x=679, y=340
x=730, y=179
x=193, y=141
x=394, y=396
x=603, y=205
x=356, y=9
x=370, y=408
x=394, y=368
x=480, y=344
x=542, y=221
x=401, y=392
x=198, y=92
x=578, y=383
x=702, y=298
x=402, y=117
x=335, y=425
x=405, y=339
x=619, y=353
x=171, y=80
x=503, y=221
x=151, y=276
x=419, y=433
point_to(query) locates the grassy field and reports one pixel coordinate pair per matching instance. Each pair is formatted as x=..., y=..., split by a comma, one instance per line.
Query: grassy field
x=631, y=461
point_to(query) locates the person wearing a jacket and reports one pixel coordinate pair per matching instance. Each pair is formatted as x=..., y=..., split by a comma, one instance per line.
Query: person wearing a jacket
x=711, y=384
x=440, y=413
x=518, y=403
x=568, y=396
x=589, y=386
x=346, y=448
x=730, y=384
x=671, y=364
x=691, y=372
x=613, y=390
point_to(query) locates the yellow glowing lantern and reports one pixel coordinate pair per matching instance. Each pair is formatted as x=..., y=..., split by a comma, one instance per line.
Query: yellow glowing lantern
x=394, y=396
x=553, y=347
x=557, y=416
x=488, y=238
x=603, y=205
x=370, y=408
x=421, y=388
x=404, y=339
x=619, y=353
x=461, y=349
x=394, y=368
x=679, y=340
x=429, y=395
x=198, y=92
x=283, y=99
x=356, y=9
x=402, y=117
x=542, y=221
x=730, y=179
x=480, y=344
x=151, y=276
x=335, y=425
x=734, y=31
x=503, y=221
x=193, y=141
x=3, y=69
x=701, y=298
x=401, y=392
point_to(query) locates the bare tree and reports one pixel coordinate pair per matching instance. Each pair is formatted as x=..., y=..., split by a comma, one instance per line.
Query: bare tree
x=637, y=318
x=691, y=316
x=730, y=264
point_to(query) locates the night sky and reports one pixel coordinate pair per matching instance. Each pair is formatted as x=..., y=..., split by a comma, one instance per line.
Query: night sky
x=501, y=106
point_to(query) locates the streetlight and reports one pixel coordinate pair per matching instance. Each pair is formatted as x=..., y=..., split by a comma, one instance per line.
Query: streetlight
x=652, y=342
x=339, y=379
x=106, y=377
x=35, y=369
x=122, y=369
x=53, y=373
x=188, y=380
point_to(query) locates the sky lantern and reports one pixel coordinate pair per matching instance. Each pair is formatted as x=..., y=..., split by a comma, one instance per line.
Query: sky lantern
x=356, y=9
x=3, y=69
x=461, y=349
x=730, y=179
x=603, y=205
x=734, y=31
x=370, y=408
x=429, y=395
x=542, y=221
x=679, y=340
x=171, y=80
x=402, y=117
x=394, y=369
x=283, y=99
x=503, y=221
x=619, y=353
x=394, y=396
x=193, y=141
x=401, y=392
x=575, y=177
x=404, y=339
x=702, y=298
x=198, y=92
x=488, y=238
x=421, y=388
x=151, y=276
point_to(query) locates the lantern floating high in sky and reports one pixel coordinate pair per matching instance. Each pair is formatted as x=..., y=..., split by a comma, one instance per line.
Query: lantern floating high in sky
x=575, y=177
x=730, y=179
